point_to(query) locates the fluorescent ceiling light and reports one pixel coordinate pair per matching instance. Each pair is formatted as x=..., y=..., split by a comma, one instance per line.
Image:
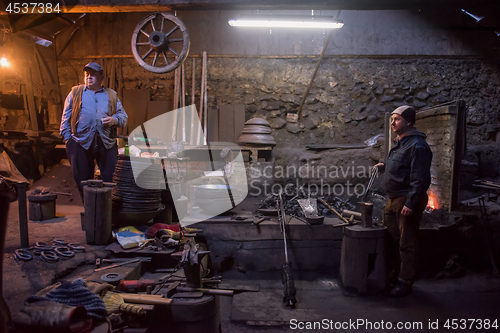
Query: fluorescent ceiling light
x=475, y=17
x=279, y=21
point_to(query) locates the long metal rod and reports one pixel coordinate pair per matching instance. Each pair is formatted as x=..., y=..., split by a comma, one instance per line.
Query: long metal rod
x=183, y=102
x=200, y=111
x=282, y=219
x=23, y=214
x=193, y=107
x=177, y=81
x=205, y=106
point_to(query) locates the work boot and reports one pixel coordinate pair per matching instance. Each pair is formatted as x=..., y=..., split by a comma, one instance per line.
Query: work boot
x=401, y=289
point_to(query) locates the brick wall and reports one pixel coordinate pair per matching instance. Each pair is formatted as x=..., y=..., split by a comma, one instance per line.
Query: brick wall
x=440, y=126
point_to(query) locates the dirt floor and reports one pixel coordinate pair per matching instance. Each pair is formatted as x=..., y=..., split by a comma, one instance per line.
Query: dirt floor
x=59, y=179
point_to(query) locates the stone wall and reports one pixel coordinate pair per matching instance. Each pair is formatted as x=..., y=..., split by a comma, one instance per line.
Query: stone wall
x=347, y=101
x=346, y=104
x=349, y=97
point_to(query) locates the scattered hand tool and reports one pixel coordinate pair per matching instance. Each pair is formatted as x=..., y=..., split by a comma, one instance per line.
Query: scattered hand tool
x=192, y=294
x=146, y=299
x=289, y=290
x=135, y=286
x=258, y=220
x=115, y=303
x=171, y=289
x=310, y=210
x=333, y=210
x=350, y=222
x=349, y=213
x=220, y=292
x=116, y=265
x=112, y=278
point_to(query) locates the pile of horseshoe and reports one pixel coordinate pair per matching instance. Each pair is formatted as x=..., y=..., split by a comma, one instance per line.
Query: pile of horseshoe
x=49, y=253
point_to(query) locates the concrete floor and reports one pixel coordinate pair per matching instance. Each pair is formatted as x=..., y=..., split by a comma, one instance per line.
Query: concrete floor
x=320, y=299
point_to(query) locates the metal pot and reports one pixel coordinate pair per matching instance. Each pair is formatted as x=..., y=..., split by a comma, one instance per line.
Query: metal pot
x=257, y=132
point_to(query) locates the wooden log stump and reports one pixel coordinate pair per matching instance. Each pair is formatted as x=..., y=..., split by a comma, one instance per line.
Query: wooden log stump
x=362, y=262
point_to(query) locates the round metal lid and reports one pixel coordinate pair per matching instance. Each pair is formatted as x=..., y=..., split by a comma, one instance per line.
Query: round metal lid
x=258, y=121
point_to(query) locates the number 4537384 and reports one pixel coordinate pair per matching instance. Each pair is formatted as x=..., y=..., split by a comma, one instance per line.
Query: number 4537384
x=32, y=8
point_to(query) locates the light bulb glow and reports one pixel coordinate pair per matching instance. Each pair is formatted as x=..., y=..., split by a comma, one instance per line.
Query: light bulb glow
x=4, y=62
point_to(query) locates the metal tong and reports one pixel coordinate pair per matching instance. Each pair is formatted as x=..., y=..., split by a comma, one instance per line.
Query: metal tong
x=289, y=290
x=370, y=184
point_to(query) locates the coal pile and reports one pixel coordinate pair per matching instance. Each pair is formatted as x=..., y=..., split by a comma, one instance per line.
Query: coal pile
x=293, y=208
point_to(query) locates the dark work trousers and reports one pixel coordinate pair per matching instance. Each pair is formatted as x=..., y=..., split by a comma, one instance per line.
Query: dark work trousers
x=403, y=241
x=82, y=161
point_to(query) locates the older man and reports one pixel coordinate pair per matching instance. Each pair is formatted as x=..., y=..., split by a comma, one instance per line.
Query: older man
x=407, y=178
x=88, y=126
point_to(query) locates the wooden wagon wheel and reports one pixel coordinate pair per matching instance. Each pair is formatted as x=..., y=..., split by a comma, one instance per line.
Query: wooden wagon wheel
x=156, y=50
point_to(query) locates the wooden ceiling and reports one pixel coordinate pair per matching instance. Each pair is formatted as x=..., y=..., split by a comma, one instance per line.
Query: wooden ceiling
x=444, y=13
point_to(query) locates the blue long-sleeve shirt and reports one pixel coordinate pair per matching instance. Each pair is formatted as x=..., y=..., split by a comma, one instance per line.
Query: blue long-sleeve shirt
x=95, y=106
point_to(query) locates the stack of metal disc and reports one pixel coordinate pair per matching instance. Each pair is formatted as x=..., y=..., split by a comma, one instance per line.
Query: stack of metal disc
x=257, y=132
x=215, y=199
x=131, y=202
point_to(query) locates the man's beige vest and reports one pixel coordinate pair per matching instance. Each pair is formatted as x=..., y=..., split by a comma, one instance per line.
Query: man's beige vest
x=77, y=92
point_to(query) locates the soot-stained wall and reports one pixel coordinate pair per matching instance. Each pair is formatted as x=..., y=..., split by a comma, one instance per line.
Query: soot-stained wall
x=377, y=62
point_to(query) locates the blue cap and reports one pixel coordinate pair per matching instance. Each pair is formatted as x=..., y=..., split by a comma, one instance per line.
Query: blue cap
x=93, y=65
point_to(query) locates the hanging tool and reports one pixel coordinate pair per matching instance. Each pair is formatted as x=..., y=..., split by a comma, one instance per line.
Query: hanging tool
x=289, y=290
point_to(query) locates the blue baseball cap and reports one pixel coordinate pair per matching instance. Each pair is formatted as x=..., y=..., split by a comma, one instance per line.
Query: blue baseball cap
x=93, y=65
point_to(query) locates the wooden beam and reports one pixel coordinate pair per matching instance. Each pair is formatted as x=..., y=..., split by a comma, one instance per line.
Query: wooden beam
x=458, y=135
x=31, y=99
x=112, y=79
x=46, y=65
x=98, y=8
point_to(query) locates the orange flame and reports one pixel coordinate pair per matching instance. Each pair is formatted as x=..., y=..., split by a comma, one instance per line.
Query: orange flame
x=432, y=203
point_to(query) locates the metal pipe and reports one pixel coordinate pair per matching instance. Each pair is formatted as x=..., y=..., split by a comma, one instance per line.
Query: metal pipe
x=23, y=214
x=205, y=110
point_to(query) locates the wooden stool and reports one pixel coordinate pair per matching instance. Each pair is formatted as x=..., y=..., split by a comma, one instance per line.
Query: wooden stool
x=42, y=206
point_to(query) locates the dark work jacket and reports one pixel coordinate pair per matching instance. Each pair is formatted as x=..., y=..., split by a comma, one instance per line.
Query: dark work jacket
x=408, y=168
